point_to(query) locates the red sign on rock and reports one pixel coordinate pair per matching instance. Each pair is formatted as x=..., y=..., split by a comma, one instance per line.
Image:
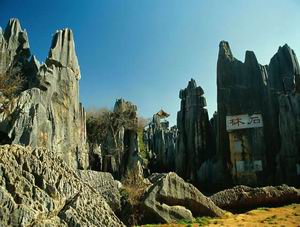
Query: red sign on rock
x=243, y=121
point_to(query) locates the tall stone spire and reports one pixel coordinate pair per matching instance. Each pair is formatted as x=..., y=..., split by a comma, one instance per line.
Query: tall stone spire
x=194, y=142
x=16, y=38
x=62, y=51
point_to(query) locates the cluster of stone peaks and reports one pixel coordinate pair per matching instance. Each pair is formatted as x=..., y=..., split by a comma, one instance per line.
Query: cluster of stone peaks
x=271, y=91
x=47, y=113
x=252, y=139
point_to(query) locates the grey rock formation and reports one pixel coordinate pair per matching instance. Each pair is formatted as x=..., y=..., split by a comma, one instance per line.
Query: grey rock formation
x=47, y=113
x=105, y=184
x=241, y=87
x=37, y=188
x=267, y=154
x=195, y=142
x=62, y=52
x=288, y=156
x=170, y=199
x=244, y=198
x=264, y=100
x=120, y=150
x=160, y=143
x=14, y=45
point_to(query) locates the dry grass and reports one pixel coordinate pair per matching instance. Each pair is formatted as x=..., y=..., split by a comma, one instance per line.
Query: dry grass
x=134, y=186
x=279, y=216
x=10, y=85
x=133, y=190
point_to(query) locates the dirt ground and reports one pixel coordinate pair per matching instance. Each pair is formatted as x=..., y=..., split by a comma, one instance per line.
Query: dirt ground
x=280, y=216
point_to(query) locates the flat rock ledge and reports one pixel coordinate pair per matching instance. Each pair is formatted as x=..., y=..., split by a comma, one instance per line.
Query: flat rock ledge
x=243, y=197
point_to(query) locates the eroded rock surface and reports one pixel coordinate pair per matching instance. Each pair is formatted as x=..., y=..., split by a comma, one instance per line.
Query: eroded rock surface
x=160, y=144
x=37, y=188
x=195, y=142
x=170, y=199
x=266, y=154
x=105, y=184
x=47, y=112
x=118, y=151
x=243, y=197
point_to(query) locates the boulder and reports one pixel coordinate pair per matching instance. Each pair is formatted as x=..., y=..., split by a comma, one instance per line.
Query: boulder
x=244, y=198
x=105, y=184
x=37, y=188
x=170, y=199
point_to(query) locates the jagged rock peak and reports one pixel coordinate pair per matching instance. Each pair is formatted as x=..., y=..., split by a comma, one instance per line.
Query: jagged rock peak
x=225, y=51
x=15, y=37
x=13, y=28
x=121, y=105
x=285, y=47
x=62, y=52
x=286, y=55
x=192, y=87
x=250, y=57
x=192, y=84
x=34, y=62
x=284, y=70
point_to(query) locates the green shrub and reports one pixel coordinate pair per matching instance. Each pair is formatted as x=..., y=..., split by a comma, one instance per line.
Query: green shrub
x=202, y=221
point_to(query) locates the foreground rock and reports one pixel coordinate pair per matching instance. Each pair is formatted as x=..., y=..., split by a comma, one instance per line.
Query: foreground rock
x=170, y=199
x=105, y=184
x=243, y=197
x=37, y=188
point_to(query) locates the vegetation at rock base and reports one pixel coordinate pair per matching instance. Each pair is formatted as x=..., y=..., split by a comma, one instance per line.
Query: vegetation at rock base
x=134, y=186
x=201, y=221
x=132, y=192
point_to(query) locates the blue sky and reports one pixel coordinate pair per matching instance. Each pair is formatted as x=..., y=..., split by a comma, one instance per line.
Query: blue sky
x=146, y=50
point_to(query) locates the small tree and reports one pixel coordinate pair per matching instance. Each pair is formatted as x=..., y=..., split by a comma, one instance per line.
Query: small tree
x=11, y=84
x=97, y=125
x=102, y=122
x=143, y=122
